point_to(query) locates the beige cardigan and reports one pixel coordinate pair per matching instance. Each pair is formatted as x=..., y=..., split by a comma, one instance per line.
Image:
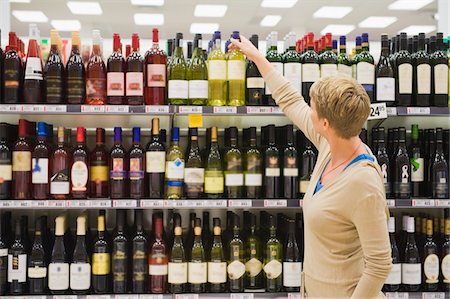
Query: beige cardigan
x=347, y=248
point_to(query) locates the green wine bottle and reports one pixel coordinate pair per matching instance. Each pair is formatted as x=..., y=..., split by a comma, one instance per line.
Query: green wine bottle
x=217, y=74
x=234, y=178
x=194, y=173
x=214, y=179
x=328, y=60
x=276, y=61
x=178, y=85
x=174, y=167
x=253, y=167
x=273, y=258
x=292, y=65
x=344, y=62
x=365, y=68
x=217, y=266
x=197, y=74
x=254, y=279
x=236, y=75
x=236, y=261
x=178, y=268
x=197, y=268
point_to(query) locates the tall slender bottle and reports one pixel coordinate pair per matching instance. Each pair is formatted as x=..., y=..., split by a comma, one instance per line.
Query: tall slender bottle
x=137, y=166
x=411, y=267
x=174, y=167
x=445, y=257
x=37, y=264
x=115, y=76
x=236, y=259
x=197, y=74
x=217, y=265
x=156, y=162
x=58, y=269
x=61, y=161
x=118, y=165
x=217, y=74
x=139, y=256
x=101, y=259
x=292, y=66
x=158, y=260
x=34, y=80
x=402, y=179
x=5, y=163
x=234, y=178
x=292, y=263
x=417, y=164
x=394, y=279
x=384, y=73
x=236, y=75
x=99, y=170
x=178, y=85
x=197, y=267
x=310, y=67
x=155, y=73
x=440, y=73
x=384, y=162
x=344, y=66
x=365, y=68
x=134, y=89
x=21, y=165
x=272, y=173
x=272, y=259
x=194, y=172
x=96, y=73
x=54, y=73
x=439, y=169
x=276, y=60
x=79, y=173
x=214, y=177
x=17, y=263
x=252, y=168
x=40, y=165
x=421, y=74
x=75, y=73
x=178, y=268
x=403, y=73
x=120, y=256
x=290, y=165
x=80, y=268
x=328, y=60
x=254, y=278
x=13, y=73
x=255, y=82
x=430, y=261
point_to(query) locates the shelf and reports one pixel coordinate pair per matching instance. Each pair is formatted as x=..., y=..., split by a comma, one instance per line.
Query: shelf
x=418, y=111
x=202, y=203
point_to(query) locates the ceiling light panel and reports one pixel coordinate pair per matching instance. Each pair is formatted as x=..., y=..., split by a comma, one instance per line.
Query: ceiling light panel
x=30, y=16
x=19, y=1
x=278, y=3
x=149, y=19
x=148, y=2
x=409, y=4
x=338, y=29
x=66, y=25
x=212, y=11
x=203, y=28
x=416, y=29
x=270, y=21
x=377, y=22
x=85, y=8
x=332, y=12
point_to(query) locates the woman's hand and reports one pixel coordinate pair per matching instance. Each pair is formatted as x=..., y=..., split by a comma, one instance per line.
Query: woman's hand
x=246, y=47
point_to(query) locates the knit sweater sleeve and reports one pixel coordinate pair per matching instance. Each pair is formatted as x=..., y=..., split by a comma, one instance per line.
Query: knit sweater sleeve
x=293, y=105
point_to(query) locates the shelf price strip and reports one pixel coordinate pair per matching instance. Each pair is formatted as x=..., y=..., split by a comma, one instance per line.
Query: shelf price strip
x=396, y=295
x=418, y=110
x=423, y=203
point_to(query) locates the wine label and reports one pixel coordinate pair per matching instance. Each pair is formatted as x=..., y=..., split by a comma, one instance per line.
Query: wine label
x=54, y=87
x=344, y=70
x=21, y=161
x=235, y=270
x=80, y=276
x=217, y=272
x=253, y=267
x=75, y=88
x=214, y=181
x=273, y=172
x=290, y=172
x=417, y=169
x=446, y=268
x=278, y=66
x=135, y=84
x=424, y=78
x=365, y=73
x=198, y=89
x=385, y=89
x=178, y=273
x=96, y=88
x=100, y=263
x=395, y=276
x=37, y=272
x=217, y=70
x=158, y=270
x=236, y=70
x=175, y=169
x=117, y=172
x=273, y=269
x=115, y=84
x=17, y=268
x=303, y=186
x=5, y=173
x=79, y=176
x=412, y=273
x=39, y=173
x=33, y=70
x=119, y=262
x=198, y=273
x=140, y=265
x=4, y=252
x=405, y=73
x=58, y=276
x=194, y=175
x=293, y=73
x=156, y=75
x=136, y=169
x=328, y=70
x=431, y=268
x=441, y=79
x=255, y=82
x=292, y=274
x=178, y=89
x=310, y=72
x=59, y=182
x=234, y=179
x=156, y=162
x=253, y=179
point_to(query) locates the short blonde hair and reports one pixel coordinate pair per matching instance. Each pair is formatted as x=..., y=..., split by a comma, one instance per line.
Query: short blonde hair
x=343, y=102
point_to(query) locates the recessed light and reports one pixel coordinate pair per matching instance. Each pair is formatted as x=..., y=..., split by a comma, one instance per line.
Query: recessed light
x=409, y=4
x=85, y=8
x=377, y=22
x=19, y=1
x=338, y=29
x=148, y=2
x=155, y=19
x=270, y=20
x=204, y=28
x=278, y=3
x=332, y=12
x=28, y=16
x=416, y=29
x=66, y=25
x=213, y=11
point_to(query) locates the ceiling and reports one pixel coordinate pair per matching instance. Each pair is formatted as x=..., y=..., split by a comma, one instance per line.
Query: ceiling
x=243, y=15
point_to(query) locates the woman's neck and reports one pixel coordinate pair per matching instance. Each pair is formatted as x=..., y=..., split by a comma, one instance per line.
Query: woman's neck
x=344, y=149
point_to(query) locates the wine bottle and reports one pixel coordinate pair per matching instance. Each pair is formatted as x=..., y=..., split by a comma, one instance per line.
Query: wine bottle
x=255, y=82
x=384, y=73
x=384, y=162
x=272, y=179
x=194, y=173
x=96, y=73
x=197, y=74
x=445, y=258
x=421, y=74
x=118, y=167
x=99, y=169
x=139, y=256
x=254, y=278
x=394, y=279
x=206, y=235
x=80, y=268
x=236, y=75
x=54, y=73
x=115, y=76
x=234, y=178
x=214, y=178
x=217, y=74
x=134, y=89
x=404, y=73
x=276, y=60
x=252, y=168
x=155, y=73
x=310, y=67
x=101, y=259
x=290, y=168
x=431, y=261
x=365, y=68
x=328, y=60
x=5, y=163
x=158, y=260
x=272, y=259
x=136, y=166
x=40, y=164
x=178, y=268
x=430, y=149
x=178, y=85
x=174, y=167
x=79, y=173
x=37, y=264
x=417, y=164
x=292, y=264
x=292, y=66
x=58, y=269
x=61, y=160
x=439, y=169
x=120, y=257
x=75, y=73
x=402, y=179
x=17, y=263
x=33, y=80
x=189, y=236
x=439, y=74
x=13, y=73
x=197, y=267
x=236, y=260
x=411, y=267
x=344, y=66
x=21, y=165
x=156, y=162
x=217, y=265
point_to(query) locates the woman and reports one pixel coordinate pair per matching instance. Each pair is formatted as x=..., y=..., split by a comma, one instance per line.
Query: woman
x=347, y=249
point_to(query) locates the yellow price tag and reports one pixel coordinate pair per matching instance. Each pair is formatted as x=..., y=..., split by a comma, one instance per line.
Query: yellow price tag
x=195, y=120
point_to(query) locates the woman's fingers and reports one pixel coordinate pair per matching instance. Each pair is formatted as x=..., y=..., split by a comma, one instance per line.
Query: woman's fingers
x=234, y=43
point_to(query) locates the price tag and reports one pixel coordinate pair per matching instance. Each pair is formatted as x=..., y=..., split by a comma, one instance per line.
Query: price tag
x=240, y=203
x=195, y=203
x=242, y=296
x=39, y=203
x=275, y=203
x=66, y=297
x=377, y=111
x=195, y=120
x=78, y=203
x=186, y=296
x=294, y=296
x=418, y=110
x=151, y=296
x=152, y=203
x=277, y=110
x=124, y=203
x=117, y=109
x=102, y=203
x=92, y=108
x=156, y=109
x=34, y=297
x=33, y=108
x=259, y=110
x=391, y=111
x=445, y=203
x=438, y=295
x=7, y=203
x=390, y=202
x=12, y=108
x=130, y=296
x=215, y=203
x=300, y=203
x=402, y=295
x=225, y=110
x=23, y=204
x=56, y=108
x=56, y=204
x=98, y=297
x=423, y=203
x=190, y=109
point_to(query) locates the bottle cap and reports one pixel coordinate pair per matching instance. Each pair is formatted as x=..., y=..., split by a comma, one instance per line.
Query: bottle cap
x=136, y=134
x=42, y=129
x=272, y=221
x=117, y=134
x=236, y=220
x=233, y=133
x=365, y=37
x=235, y=35
x=415, y=131
x=179, y=35
x=216, y=222
x=217, y=35
x=175, y=134
x=358, y=41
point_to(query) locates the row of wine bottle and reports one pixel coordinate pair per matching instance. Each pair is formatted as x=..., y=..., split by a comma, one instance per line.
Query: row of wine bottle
x=131, y=260
x=410, y=72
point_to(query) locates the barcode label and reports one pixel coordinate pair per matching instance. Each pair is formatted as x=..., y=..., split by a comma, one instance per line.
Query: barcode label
x=65, y=297
x=275, y=203
x=6, y=203
x=103, y=203
x=377, y=111
x=390, y=202
x=98, y=297
x=152, y=203
x=190, y=109
x=117, y=109
x=92, y=108
x=126, y=296
x=186, y=296
x=56, y=204
x=418, y=110
x=156, y=109
x=78, y=203
x=242, y=296
x=56, y=108
x=151, y=296
x=391, y=111
x=294, y=296
x=216, y=203
x=23, y=204
x=11, y=108
x=445, y=203
x=398, y=295
x=423, y=203
x=243, y=203
x=439, y=295
x=225, y=110
x=34, y=108
x=259, y=110
x=39, y=203
x=124, y=203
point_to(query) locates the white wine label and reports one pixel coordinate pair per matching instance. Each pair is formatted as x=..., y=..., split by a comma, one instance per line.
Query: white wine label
x=59, y=187
x=178, y=273
x=235, y=270
x=37, y=272
x=424, y=78
x=255, y=82
x=417, y=169
x=235, y=179
x=156, y=75
x=290, y=171
x=79, y=176
x=278, y=66
x=303, y=186
x=310, y=72
x=33, y=70
x=4, y=252
x=446, y=268
x=17, y=268
x=441, y=79
x=253, y=179
x=395, y=276
x=405, y=73
x=194, y=175
x=115, y=84
x=178, y=89
x=58, y=276
x=236, y=70
x=80, y=276
x=5, y=173
x=217, y=272
x=385, y=89
x=39, y=173
x=365, y=73
x=431, y=268
x=328, y=70
x=344, y=70
x=253, y=267
x=175, y=169
x=273, y=269
x=156, y=162
x=292, y=272
x=411, y=273
x=213, y=184
x=272, y=172
x=21, y=161
x=135, y=84
x=198, y=89
x=197, y=272
x=293, y=73
x=217, y=70
x=158, y=270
